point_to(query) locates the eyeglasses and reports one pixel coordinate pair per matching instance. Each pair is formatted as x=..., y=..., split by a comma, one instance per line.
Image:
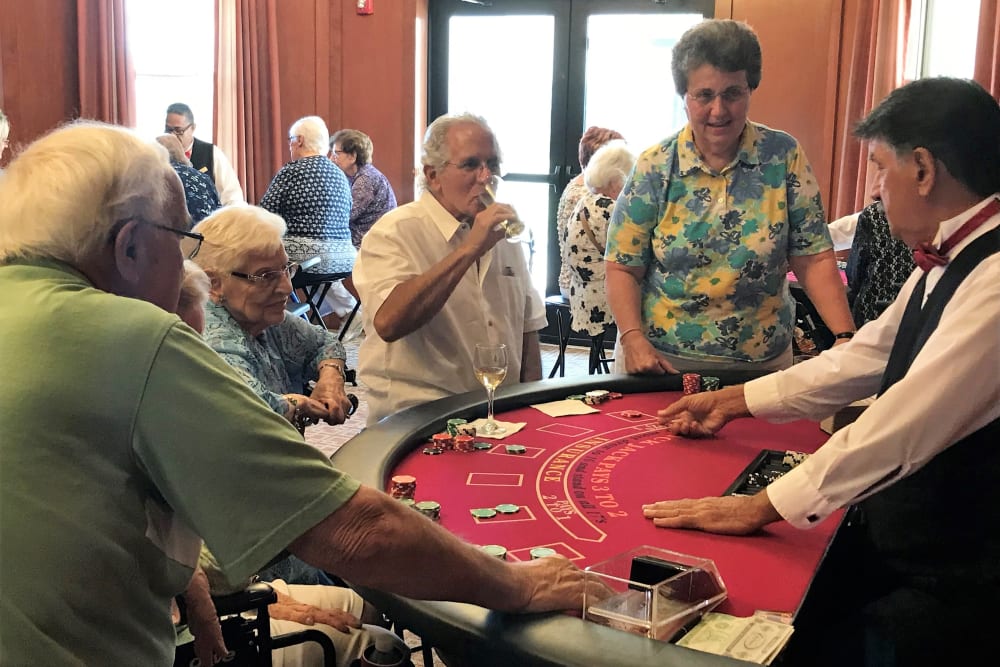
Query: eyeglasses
x=268, y=277
x=730, y=95
x=475, y=165
x=177, y=130
x=195, y=238
x=292, y=137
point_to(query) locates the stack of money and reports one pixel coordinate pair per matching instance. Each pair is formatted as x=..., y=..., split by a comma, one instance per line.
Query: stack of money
x=758, y=638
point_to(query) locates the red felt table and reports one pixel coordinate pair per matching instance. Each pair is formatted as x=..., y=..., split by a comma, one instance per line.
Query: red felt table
x=640, y=463
x=583, y=479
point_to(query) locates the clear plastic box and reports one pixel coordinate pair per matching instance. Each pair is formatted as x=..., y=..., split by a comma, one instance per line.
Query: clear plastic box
x=655, y=592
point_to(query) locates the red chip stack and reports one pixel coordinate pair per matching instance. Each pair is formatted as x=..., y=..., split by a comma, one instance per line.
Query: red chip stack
x=692, y=383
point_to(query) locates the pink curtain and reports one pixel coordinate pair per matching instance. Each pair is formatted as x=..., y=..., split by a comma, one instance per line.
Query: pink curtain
x=987, y=72
x=107, y=77
x=247, y=91
x=875, y=35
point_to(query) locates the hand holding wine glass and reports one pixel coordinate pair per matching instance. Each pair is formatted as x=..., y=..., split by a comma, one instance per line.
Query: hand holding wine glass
x=491, y=369
x=513, y=228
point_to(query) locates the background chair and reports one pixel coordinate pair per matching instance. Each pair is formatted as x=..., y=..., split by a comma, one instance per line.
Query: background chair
x=599, y=361
x=246, y=627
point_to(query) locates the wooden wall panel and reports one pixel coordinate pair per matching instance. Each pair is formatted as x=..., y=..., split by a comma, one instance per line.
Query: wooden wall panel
x=39, y=82
x=798, y=91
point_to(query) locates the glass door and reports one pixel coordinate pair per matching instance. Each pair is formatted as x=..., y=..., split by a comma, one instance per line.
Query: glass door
x=540, y=72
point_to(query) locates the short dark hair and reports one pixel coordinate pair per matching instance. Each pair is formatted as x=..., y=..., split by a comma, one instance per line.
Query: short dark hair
x=182, y=109
x=727, y=45
x=955, y=119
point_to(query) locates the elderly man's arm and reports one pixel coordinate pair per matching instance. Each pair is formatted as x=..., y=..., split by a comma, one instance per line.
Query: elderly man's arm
x=412, y=303
x=376, y=541
x=531, y=357
x=819, y=276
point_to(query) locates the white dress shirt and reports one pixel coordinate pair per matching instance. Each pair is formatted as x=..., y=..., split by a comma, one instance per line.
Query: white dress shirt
x=495, y=303
x=226, y=182
x=951, y=390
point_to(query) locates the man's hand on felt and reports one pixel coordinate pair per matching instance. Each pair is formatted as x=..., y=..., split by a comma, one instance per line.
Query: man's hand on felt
x=726, y=515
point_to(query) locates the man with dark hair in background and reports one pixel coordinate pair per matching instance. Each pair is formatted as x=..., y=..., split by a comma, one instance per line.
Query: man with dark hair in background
x=205, y=157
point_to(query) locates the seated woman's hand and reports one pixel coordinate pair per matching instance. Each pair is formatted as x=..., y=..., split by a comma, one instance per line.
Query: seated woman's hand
x=331, y=395
x=641, y=358
x=289, y=609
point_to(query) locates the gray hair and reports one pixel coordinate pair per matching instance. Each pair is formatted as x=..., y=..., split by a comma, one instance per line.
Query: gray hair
x=63, y=196
x=312, y=130
x=611, y=164
x=355, y=142
x=233, y=232
x=727, y=45
x=174, y=148
x=4, y=126
x=435, y=153
x=181, y=109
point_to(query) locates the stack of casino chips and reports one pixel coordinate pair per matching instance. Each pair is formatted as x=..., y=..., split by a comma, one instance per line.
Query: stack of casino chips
x=463, y=443
x=709, y=383
x=596, y=396
x=453, y=425
x=691, y=382
x=402, y=487
x=429, y=508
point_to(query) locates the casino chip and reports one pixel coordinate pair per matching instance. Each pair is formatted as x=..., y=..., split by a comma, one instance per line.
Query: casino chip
x=516, y=449
x=429, y=508
x=596, y=396
x=542, y=552
x=483, y=513
x=496, y=551
x=507, y=508
x=710, y=383
x=482, y=446
x=432, y=451
x=631, y=414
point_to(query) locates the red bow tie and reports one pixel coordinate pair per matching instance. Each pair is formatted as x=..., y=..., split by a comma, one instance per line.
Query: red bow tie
x=926, y=256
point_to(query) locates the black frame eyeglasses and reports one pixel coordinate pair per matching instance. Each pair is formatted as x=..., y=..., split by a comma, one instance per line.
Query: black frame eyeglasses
x=177, y=131
x=269, y=277
x=198, y=239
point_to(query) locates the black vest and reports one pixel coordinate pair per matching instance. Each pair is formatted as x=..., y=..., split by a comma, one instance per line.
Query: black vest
x=203, y=158
x=938, y=528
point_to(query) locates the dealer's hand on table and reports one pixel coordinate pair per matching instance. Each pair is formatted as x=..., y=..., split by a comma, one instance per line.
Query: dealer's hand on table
x=727, y=515
x=556, y=584
x=641, y=358
x=702, y=415
x=289, y=609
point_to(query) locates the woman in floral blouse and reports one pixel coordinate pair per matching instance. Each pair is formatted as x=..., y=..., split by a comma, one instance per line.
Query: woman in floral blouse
x=587, y=233
x=710, y=222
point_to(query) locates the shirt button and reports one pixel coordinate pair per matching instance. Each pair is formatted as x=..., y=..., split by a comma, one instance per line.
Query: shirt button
x=489, y=323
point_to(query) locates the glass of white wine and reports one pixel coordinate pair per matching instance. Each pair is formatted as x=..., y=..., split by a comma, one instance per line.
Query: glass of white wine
x=513, y=229
x=491, y=369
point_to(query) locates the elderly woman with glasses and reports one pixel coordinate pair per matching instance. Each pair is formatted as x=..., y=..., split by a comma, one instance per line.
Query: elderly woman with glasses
x=711, y=221
x=247, y=324
x=371, y=193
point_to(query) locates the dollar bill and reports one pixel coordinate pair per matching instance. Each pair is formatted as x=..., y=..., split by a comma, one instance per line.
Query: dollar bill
x=754, y=639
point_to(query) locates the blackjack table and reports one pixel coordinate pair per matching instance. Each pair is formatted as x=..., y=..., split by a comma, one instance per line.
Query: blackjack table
x=578, y=486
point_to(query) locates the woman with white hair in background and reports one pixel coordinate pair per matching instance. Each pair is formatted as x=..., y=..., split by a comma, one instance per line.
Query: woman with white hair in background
x=314, y=198
x=587, y=235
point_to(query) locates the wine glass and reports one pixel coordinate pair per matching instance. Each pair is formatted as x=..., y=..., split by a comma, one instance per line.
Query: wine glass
x=513, y=229
x=491, y=369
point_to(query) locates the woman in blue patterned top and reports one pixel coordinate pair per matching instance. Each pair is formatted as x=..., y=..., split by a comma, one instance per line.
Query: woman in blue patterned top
x=351, y=150
x=247, y=324
x=200, y=195
x=314, y=198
